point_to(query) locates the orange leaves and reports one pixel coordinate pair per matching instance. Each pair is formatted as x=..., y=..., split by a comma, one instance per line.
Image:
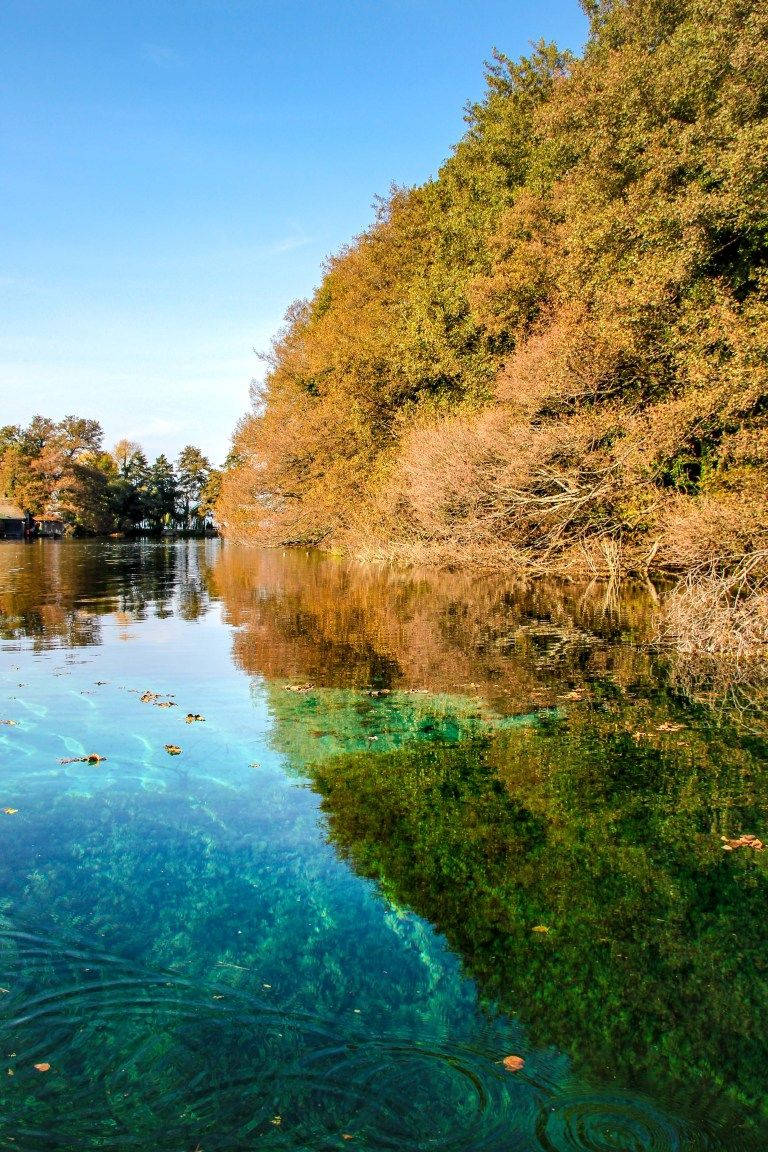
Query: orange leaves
x=513, y=1063
x=43, y=1067
x=10, y=811
x=91, y=758
x=173, y=749
x=193, y=717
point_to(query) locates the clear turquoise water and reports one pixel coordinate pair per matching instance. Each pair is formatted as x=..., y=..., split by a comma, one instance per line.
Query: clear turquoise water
x=314, y=928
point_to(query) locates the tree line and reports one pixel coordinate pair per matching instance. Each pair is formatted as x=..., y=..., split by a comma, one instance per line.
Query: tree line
x=554, y=355
x=61, y=468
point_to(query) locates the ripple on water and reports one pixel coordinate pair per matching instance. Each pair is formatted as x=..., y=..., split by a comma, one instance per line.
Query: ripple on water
x=134, y=1051
x=612, y=1122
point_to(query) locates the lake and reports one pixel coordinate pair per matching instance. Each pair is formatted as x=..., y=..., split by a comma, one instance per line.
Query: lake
x=356, y=838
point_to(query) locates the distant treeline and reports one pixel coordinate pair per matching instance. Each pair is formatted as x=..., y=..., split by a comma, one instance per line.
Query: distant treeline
x=554, y=355
x=60, y=469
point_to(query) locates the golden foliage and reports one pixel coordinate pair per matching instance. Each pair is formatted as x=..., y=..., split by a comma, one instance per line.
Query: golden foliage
x=554, y=356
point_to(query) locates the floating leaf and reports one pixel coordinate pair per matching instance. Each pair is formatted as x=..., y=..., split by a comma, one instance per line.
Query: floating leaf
x=10, y=811
x=277, y=1121
x=539, y=928
x=44, y=1067
x=91, y=758
x=8, y=723
x=192, y=717
x=149, y=697
x=513, y=1063
x=173, y=749
x=747, y=840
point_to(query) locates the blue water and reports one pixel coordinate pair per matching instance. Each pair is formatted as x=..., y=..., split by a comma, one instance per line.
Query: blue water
x=189, y=943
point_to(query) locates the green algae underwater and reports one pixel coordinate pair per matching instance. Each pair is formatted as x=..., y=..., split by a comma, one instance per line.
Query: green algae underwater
x=427, y=822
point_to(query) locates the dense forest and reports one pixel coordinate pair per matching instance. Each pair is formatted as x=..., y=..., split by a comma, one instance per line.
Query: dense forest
x=61, y=469
x=553, y=357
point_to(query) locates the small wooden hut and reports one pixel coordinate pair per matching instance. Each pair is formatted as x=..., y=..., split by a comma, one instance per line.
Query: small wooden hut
x=50, y=525
x=13, y=521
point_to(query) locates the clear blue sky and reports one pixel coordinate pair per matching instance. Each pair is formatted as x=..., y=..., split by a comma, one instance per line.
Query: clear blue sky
x=173, y=173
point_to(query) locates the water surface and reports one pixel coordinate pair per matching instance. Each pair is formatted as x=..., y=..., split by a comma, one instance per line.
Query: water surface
x=427, y=822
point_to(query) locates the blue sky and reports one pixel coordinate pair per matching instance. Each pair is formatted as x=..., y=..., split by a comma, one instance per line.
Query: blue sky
x=173, y=174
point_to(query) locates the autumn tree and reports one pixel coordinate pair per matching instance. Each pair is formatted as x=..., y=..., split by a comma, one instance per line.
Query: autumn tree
x=555, y=354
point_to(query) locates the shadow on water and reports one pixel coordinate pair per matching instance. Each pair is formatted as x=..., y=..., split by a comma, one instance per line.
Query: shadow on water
x=440, y=819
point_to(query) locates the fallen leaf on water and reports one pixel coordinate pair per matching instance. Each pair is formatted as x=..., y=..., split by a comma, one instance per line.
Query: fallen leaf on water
x=10, y=811
x=166, y=704
x=8, y=723
x=191, y=717
x=513, y=1063
x=148, y=697
x=91, y=758
x=43, y=1067
x=539, y=928
x=173, y=749
x=277, y=1121
x=11, y=1072
x=347, y=1136
x=747, y=840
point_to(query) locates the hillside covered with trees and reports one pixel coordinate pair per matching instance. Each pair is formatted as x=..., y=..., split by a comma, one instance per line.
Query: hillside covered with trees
x=553, y=357
x=61, y=469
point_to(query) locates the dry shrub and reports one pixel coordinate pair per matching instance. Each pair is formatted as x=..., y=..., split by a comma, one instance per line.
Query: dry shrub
x=714, y=624
x=706, y=535
x=492, y=490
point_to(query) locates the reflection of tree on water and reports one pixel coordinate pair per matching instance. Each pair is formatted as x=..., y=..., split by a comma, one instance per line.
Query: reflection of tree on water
x=577, y=868
x=55, y=593
x=604, y=829
x=316, y=619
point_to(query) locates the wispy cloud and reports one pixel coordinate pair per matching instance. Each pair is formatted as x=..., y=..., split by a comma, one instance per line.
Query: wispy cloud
x=287, y=244
x=161, y=55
